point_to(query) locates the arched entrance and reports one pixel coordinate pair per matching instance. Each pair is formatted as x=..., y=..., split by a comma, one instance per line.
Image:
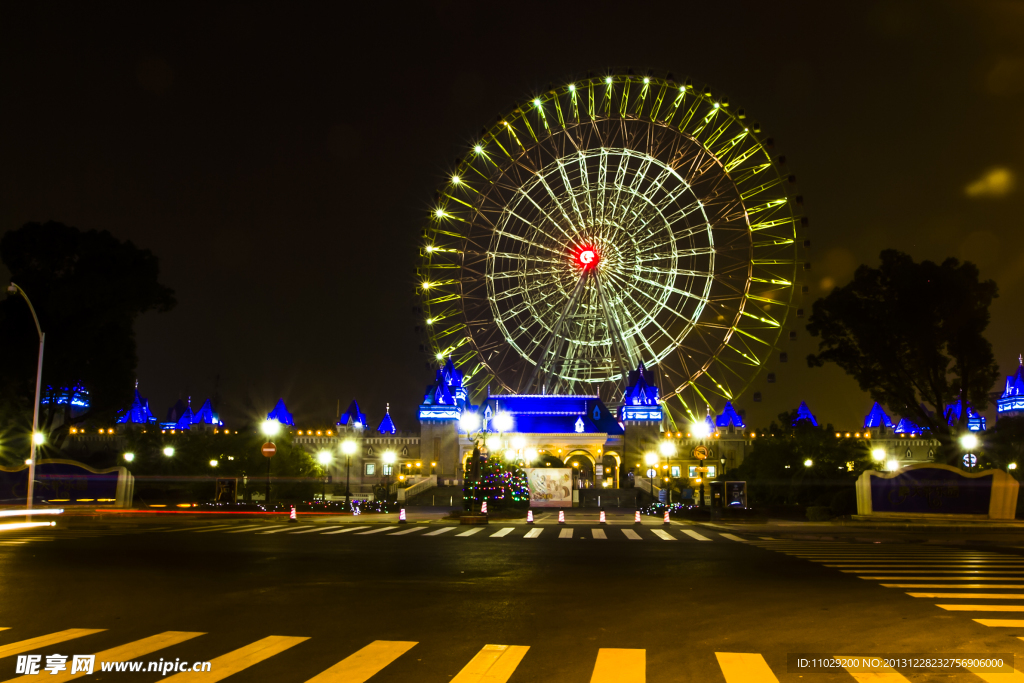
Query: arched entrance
x=582, y=464
x=612, y=468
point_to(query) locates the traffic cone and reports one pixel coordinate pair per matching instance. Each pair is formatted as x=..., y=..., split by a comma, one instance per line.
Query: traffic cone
x=636, y=518
x=602, y=520
x=401, y=516
x=483, y=508
x=292, y=517
x=561, y=517
x=666, y=518
x=529, y=516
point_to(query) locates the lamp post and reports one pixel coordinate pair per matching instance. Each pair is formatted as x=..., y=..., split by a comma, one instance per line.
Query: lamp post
x=324, y=458
x=37, y=438
x=270, y=429
x=348, y=447
x=701, y=430
x=667, y=449
x=651, y=460
x=878, y=455
x=969, y=442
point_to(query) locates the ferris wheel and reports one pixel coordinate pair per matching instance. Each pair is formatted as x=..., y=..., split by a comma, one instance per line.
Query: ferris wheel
x=610, y=221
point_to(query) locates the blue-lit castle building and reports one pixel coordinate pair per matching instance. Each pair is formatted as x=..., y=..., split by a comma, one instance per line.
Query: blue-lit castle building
x=1011, y=403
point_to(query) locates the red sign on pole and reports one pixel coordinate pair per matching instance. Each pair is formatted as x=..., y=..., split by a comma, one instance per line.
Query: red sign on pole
x=268, y=449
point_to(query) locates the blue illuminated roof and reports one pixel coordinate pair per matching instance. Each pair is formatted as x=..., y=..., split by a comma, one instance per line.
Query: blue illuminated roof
x=139, y=412
x=352, y=417
x=729, y=418
x=905, y=426
x=78, y=395
x=186, y=420
x=1015, y=383
x=281, y=414
x=387, y=425
x=877, y=418
x=553, y=414
x=452, y=375
x=803, y=414
x=975, y=422
x=205, y=415
x=641, y=390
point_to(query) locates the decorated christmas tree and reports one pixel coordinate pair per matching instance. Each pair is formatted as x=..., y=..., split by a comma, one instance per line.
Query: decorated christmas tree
x=501, y=483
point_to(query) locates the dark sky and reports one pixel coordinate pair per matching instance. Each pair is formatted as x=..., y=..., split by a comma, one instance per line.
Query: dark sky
x=279, y=159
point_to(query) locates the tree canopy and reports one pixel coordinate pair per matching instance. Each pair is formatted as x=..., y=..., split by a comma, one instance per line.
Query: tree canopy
x=88, y=289
x=912, y=335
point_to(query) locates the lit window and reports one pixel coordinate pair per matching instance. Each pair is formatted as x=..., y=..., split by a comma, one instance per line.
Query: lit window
x=371, y=468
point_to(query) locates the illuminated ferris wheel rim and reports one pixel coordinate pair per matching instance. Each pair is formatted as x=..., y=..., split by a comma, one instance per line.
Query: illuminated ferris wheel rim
x=744, y=308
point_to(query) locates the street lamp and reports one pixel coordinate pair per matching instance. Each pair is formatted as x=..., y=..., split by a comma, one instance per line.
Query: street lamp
x=324, y=458
x=128, y=457
x=969, y=442
x=36, y=436
x=270, y=429
x=651, y=459
x=213, y=463
x=168, y=451
x=348, y=447
x=878, y=454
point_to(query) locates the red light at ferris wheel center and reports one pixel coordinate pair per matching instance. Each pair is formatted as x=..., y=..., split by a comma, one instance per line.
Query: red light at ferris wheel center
x=587, y=258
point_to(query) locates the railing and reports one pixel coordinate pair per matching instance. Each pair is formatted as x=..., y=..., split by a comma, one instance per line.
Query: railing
x=645, y=485
x=419, y=487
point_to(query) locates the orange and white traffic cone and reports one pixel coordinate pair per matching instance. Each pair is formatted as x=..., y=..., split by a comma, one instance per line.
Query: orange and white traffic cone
x=666, y=518
x=401, y=516
x=561, y=517
x=292, y=517
x=529, y=516
x=483, y=508
x=636, y=518
x=602, y=520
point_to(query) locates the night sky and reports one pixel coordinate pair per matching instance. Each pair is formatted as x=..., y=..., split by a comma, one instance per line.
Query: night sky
x=280, y=160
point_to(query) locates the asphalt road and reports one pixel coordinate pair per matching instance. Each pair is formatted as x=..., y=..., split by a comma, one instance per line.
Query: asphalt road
x=663, y=606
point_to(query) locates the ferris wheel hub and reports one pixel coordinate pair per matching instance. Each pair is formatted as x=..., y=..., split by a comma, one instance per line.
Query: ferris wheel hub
x=587, y=257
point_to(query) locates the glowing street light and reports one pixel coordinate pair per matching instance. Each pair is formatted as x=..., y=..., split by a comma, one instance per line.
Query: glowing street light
x=39, y=438
x=270, y=428
x=213, y=463
x=128, y=457
x=469, y=422
x=348, y=447
x=324, y=458
x=878, y=454
x=651, y=459
x=969, y=442
x=700, y=429
x=15, y=289
x=168, y=451
x=667, y=448
x=808, y=462
x=503, y=422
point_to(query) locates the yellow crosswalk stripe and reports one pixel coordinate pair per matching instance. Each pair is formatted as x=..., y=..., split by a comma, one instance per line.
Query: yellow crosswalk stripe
x=493, y=664
x=236, y=660
x=743, y=667
x=42, y=641
x=565, y=533
x=694, y=534
x=972, y=596
x=982, y=608
x=732, y=537
x=663, y=535
x=889, y=676
x=952, y=585
x=631, y=535
x=1015, y=677
x=617, y=665
x=345, y=531
x=360, y=666
x=503, y=532
x=533, y=533
x=122, y=653
x=470, y=532
x=599, y=534
x=1009, y=623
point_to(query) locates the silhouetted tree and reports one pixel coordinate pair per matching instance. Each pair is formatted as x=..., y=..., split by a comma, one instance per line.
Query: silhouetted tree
x=911, y=334
x=88, y=289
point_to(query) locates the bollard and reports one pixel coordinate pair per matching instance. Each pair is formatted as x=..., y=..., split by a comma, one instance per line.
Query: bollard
x=529, y=516
x=561, y=517
x=666, y=518
x=483, y=508
x=401, y=516
x=292, y=517
x=602, y=520
x=636, y=519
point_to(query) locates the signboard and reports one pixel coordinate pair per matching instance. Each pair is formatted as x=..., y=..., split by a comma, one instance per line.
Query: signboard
x=927, y=488
x=701, y=452
x=268, y=450
x=550, y=486
x=599, y=470
x=736, y=494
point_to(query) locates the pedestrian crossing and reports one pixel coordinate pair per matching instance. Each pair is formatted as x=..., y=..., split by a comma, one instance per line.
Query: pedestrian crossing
x=976, y=582
x=358, y=662
x=495, y=531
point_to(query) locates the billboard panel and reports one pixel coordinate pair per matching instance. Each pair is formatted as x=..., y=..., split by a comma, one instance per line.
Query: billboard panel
x=550, y=486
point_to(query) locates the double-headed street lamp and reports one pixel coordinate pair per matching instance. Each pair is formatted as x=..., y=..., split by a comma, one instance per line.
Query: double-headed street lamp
x=969, y=442
x=348, y=447
x=651, y=460
x=37, y=438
